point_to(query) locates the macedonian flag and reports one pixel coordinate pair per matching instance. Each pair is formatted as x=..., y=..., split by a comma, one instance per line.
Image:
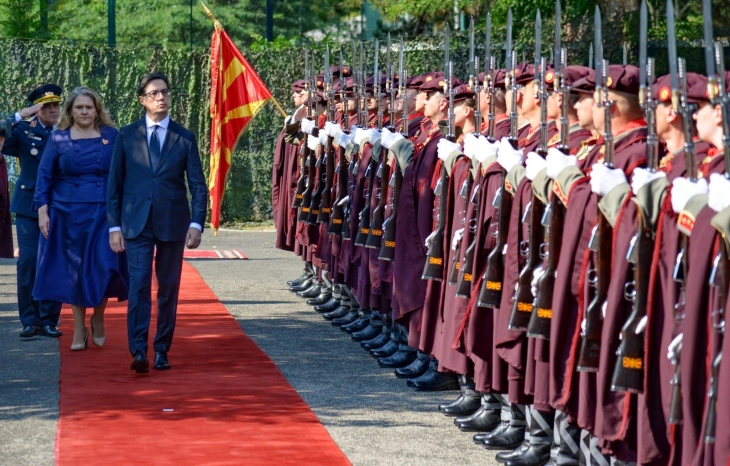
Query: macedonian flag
x=237, y=94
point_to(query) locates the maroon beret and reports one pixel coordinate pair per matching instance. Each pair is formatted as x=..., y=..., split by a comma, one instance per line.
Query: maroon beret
x=463, y=92
x=414, y=82
x=498, y=78
x=299, y=86
x=697, y=90
x=335, y=70
x=524, y=73
x=349, y=85
x=319, y=81
x=573, y=73
x=623, y=78
x=370, y=84
x=585, y=85
x=437, y=84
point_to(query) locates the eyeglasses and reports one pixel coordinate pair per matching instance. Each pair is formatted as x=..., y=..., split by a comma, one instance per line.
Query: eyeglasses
x=157, y=93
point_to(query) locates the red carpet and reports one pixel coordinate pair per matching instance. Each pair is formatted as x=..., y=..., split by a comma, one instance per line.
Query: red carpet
x=205, y=254
x=223, y=402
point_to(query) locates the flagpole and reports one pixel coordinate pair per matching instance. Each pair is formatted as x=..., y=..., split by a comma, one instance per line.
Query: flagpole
x=219, y=27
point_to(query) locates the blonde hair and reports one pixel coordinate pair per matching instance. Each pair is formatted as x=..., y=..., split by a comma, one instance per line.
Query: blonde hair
x=102, y=114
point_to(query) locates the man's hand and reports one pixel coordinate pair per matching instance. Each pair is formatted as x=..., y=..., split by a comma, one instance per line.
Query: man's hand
x=300, y=113
x=116, y=241
x=192, y=240
x=44, y=222
x=30, y=111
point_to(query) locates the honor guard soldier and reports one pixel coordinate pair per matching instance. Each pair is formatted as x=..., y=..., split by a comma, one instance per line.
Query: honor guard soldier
x=26, y=142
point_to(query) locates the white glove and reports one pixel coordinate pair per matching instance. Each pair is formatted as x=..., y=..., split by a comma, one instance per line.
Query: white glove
x=374, y=136
x=485, y=149
x=360, y=135
x=344, y=139
x=507, y=156
x=331, y=129
x=642, y=177
x=446, y=147
x=604, y=179
x=458, y=234
x=387, y=138
x=683, y=190
x=307, y=125
x=557, y=162
x=322, y=138
x=534, y=165
x=536, y=276
x=312, y=142
x=674, y=349
x=429, y=238
x=719, y=193
x=471, y=142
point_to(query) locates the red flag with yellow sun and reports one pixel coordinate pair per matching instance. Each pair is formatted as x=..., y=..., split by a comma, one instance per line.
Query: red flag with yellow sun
x=237, y=94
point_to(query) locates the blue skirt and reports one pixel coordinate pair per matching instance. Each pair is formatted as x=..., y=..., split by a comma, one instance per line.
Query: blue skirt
x=76, y=265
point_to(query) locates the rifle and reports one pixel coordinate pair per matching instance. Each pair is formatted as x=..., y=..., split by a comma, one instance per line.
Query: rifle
x=311, y=157
x=304, y=168
x=601, y=238
x=325, y=207
x=433, y=269
x=491, y=293
x=364, y=230
x=463, y=286
x=338, y=209
x=375, y=237
x=321, y=164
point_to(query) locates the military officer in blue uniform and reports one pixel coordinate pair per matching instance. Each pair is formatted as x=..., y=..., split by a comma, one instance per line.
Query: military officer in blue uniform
x=30, y=133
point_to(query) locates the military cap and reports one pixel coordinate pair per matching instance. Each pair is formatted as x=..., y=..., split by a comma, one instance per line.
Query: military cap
x=346, y=71
x=463, y=92
x=499, y=76
x=414, y=82
x=696, y=89
x=437, y=85
x=524, y=73
x=585, y=85
x=45, y=93
x=428, y=77
x=319, y=81
x=623, y=78
x=349, y=84
x=299, y=86
x=370, y=83
x=573, y=73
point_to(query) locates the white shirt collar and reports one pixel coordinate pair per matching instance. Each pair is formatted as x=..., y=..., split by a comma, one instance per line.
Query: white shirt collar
x=163, y=124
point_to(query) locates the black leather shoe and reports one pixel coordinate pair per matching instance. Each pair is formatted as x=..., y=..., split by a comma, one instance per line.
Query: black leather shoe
x=360, y=324
x=377, y=341
x=416, y=369
x=368, y=333
x=161, y=362
x=399, y=359
x=329, y=306
x=348, y=318
x=463, y=406
x=300, y=280
x=509, y=439
x=322, y=298
x=311, y=292
x=29, y=331
x=533, y=455
x=483, y=420
x=303, y=285
x=505, y=456
x=337, y=313
x=386, y=350
x=501, y=427
x=439, y=381
x=140, y=364
x=50, y=331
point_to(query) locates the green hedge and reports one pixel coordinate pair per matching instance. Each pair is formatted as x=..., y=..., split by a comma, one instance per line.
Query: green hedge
x=114, y=74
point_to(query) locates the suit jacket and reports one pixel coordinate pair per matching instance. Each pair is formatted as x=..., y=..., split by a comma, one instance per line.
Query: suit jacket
x=135, y=188
x=26, y=142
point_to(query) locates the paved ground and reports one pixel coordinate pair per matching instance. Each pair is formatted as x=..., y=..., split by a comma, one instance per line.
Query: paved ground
x=372, y=415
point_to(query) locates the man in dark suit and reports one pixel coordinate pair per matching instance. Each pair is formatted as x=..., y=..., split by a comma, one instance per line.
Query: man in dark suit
x=26, y=142
x=148, y=208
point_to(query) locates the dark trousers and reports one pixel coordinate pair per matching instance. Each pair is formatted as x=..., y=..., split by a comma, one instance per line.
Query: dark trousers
x=168, y=268
x=32, y=312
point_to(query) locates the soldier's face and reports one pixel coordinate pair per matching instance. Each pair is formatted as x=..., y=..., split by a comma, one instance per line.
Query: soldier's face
x=584, y=108
x=708, y=118
x=528, y=101
x=339, y=106
x=299, y=98
x=372, y=104
x=462, y=113
x=663, y=114
x=421, y=101
x=598, y=116
x=49, y=113
x=433, y=104
x=553, y=105
x=484, y=101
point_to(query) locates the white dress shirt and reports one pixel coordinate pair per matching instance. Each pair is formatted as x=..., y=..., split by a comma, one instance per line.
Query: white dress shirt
x=161, y=133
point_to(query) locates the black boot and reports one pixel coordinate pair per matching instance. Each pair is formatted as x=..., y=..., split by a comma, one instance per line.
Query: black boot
x=509, y=436
x=373, y=329
x=343, y=310
x=399, y=359
x=324, y=296
x=363, y=320
x=329, y=306
x=434, y=381
x=541, y=439
x=346, y=319
x=386, y=350
x=565, y=449
x=483, y=419
x=377, y=341
x=504, y=456
x=298, y=281
x=311, y=292
x=305, y=285
x=467, y=403
x=416, y=369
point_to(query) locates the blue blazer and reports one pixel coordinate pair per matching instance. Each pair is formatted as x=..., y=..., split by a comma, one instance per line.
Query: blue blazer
x=27, y=143
x=135, y=189
x=74, y=171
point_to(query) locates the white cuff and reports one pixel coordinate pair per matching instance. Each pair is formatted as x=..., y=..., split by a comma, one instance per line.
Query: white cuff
x=113, y=229
x=196, y=225
x=18, y=117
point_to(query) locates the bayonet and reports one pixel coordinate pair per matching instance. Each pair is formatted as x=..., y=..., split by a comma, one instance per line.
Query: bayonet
x=626, y=54
x=343, y=96
x=557, y=42
x=390, y=87
x=591, y=64
x=376, y=84
x=447, y=46
x=724, y=101
x=508, y=44
x=643, y=25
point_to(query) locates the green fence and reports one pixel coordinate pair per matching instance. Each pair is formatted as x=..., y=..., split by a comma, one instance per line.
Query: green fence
x=114, y=74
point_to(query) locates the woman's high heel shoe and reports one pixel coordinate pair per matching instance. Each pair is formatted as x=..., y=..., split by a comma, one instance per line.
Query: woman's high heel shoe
x=84, y=345
x=98, y=341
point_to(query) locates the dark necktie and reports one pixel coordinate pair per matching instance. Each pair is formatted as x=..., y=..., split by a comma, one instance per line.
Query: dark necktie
x=154, y=147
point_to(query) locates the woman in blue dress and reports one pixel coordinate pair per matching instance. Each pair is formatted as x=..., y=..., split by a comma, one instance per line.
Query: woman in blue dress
x=75, y=263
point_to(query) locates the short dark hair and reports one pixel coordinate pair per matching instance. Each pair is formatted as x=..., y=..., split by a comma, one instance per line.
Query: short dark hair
x=149, y=77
